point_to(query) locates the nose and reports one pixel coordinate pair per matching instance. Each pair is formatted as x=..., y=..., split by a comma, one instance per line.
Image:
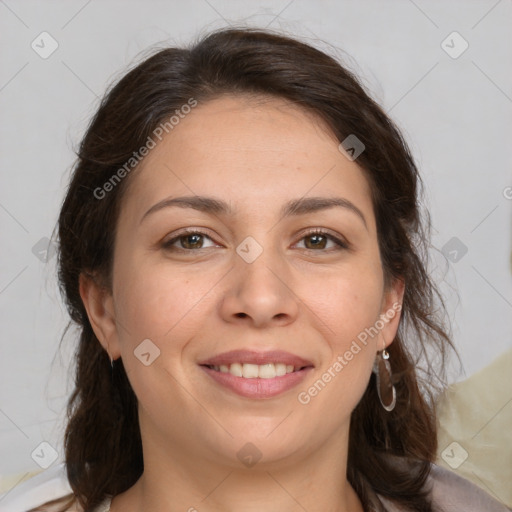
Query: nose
x=260, y=293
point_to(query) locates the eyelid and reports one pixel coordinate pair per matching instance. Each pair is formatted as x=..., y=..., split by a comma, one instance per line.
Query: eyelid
x=187, y=231
x=339, y=240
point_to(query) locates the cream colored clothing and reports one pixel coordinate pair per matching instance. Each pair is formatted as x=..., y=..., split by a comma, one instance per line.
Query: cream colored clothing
x=475, y=428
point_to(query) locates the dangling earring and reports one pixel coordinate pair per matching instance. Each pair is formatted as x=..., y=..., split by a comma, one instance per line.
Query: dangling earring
x=385, y=388
x=110, y=357
x=111, y=368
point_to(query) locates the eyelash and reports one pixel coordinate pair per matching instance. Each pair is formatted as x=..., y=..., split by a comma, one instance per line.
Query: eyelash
x=341, y=244
x=168, y=245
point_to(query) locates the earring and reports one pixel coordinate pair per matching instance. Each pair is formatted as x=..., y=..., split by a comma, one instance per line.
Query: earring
x=385, y=388
x=110, y=357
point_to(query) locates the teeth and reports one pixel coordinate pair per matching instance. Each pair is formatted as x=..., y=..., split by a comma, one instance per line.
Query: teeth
x=255, y=371
x=236, y=369
x=250, y=371
x=282, y=369
x=267, y=371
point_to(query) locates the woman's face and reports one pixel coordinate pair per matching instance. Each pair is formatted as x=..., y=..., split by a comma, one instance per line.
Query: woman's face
x=249, y=289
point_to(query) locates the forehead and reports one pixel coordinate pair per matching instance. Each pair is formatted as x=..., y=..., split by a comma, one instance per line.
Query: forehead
x=251, y=151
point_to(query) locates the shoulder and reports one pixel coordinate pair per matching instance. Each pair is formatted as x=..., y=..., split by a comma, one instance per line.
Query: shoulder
x=64, y=504
x=47, y=491
x=67, y=504
x=448, y=492
x=453, y=493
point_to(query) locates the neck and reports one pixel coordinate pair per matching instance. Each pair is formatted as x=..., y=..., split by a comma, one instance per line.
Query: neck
x=183, y=480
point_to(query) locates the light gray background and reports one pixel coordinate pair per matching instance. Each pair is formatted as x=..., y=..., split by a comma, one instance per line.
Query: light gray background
x=454, y=112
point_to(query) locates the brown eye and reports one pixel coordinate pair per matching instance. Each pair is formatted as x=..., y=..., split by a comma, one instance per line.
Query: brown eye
x=193, y=240
x=322, y=241
x=315, y=241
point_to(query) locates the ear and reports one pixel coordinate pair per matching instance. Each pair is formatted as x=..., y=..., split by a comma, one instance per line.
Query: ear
x=391, y=311
x=99, y=304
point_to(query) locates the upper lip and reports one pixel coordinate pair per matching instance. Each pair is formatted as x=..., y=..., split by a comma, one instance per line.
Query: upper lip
x=255, y=357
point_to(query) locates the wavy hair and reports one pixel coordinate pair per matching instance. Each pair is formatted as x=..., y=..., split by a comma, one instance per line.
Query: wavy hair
x=103, y=450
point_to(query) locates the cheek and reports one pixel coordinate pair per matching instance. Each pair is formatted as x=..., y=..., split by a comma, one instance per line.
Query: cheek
x=153, y=302
x=166, y=307
x=348, y=302
x=349, y=308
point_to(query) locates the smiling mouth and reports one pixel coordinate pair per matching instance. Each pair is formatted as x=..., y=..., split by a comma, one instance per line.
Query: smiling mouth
x=256, y=371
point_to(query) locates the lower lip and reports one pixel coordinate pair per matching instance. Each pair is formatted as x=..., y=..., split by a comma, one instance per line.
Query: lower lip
x=258, y=388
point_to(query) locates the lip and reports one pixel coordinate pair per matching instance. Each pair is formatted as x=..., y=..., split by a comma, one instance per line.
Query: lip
x=257, y=388
x=254, y=357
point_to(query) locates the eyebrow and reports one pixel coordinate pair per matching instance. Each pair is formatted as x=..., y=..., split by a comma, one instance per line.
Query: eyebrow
x=300, y=206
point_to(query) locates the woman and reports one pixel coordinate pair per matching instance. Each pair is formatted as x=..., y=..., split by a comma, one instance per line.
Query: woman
x=242, y=249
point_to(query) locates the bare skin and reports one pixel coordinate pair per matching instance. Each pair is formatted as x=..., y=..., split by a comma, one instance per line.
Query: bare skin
x=197, y=297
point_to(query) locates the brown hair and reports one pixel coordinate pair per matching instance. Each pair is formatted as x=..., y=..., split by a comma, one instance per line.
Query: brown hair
x=102, y=441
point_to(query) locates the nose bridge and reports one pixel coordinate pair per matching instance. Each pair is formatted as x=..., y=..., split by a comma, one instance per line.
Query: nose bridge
x=255, y=263
x=259, y=289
